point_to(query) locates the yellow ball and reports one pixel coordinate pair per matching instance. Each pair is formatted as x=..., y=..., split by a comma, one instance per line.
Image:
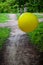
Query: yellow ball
x=27, y=22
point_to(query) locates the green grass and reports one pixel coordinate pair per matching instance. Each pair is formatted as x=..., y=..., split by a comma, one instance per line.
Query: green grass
x=4, y=34
x=36, y=37
x=3, y=17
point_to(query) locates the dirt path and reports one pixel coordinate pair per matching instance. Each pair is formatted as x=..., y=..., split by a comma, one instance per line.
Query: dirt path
x=9, y=48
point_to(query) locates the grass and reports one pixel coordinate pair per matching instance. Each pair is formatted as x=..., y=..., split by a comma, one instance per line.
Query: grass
x=36, y=37
x=4, y=34
x=3, y=18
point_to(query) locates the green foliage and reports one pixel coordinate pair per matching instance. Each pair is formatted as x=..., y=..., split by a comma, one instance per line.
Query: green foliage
x=3, y=18
x=4, y=7
x=4, y=34
x=11, y=2
x=37, y=37
x=10, y=6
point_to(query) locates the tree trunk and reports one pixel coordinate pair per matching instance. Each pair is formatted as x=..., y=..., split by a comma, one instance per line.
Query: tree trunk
x=21, y=11
x=25, y=9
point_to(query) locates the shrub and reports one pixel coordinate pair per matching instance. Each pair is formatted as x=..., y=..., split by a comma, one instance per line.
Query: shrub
x=37, y=37
x=3, y=17
x=4, y=34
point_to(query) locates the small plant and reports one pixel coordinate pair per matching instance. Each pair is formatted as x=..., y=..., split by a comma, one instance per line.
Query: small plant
x=3, y=18
x=37, y=37
x=4, y=34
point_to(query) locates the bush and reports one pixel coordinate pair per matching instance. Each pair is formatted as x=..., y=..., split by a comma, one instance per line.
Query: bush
x=3, y=18
x=4, y=7
x=37, y=37
x=7, y=7
x=4, y=34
